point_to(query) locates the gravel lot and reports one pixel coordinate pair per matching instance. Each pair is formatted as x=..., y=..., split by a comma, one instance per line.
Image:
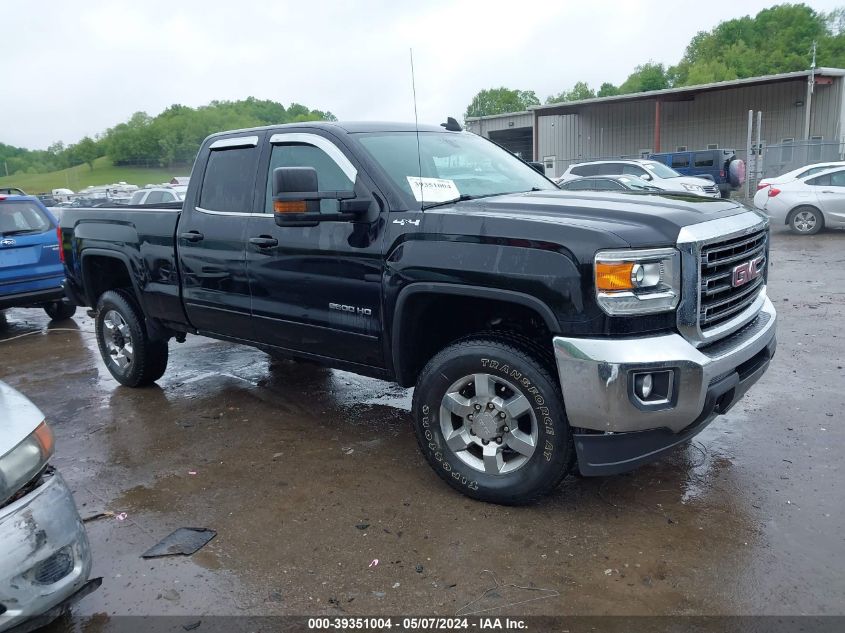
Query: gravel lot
x=309, y=475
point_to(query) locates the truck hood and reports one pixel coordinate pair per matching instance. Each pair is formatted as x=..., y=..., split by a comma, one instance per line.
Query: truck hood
x=651, y=219
x=18, y=418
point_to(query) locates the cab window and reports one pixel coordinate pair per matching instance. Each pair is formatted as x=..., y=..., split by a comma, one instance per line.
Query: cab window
x=680, y=160
x=330, y=177
x=229, y=180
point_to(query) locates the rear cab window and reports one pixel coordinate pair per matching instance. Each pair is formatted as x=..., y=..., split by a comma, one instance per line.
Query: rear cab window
x=228, y=183
x=19, y=217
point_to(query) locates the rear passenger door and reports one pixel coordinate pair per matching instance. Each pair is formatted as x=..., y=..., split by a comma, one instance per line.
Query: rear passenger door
x=211, y=238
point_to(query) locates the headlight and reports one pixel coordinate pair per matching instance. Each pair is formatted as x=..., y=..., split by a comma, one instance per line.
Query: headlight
x=21, y=464
x=638, y=281
x=697, y=188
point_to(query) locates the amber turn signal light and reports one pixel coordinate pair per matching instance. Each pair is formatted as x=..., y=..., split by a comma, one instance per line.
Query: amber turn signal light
x=44, y=435
x=289, y=206
x=614, y=276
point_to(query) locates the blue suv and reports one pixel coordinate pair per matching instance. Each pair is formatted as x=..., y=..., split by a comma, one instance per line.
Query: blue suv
x=31, y=271
x=719, y=165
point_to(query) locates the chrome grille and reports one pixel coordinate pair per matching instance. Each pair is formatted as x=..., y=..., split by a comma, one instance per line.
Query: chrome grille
x=719, y=300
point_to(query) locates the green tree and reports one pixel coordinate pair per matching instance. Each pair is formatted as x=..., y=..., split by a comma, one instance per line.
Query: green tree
x=776, y=40
x=500, y=101
x=87, y=150
x=607, y=89
x=649, y=76
x=581, y=90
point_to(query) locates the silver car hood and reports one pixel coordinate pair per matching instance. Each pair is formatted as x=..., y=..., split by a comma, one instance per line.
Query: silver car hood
x=18, y=418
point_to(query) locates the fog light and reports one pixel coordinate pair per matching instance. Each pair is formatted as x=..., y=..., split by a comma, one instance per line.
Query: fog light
x=645, y=386
x=654, y=387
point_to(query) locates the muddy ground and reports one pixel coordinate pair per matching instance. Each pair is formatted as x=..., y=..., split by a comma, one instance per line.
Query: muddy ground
x=309, y=475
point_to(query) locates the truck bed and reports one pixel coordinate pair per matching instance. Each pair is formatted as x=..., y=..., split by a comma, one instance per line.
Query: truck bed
x=143, y=237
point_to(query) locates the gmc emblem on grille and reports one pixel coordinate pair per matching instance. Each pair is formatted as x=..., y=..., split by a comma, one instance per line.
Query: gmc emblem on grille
x=746, y=272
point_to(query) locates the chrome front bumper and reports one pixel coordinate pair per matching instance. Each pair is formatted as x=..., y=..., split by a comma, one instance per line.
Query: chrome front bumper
x=596, y=376
x=44, y=554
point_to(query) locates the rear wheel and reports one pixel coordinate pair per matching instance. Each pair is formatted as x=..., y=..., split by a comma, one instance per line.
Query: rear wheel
x=489, y=418
x=806, y=221
x=130, y=356
x=60, y=310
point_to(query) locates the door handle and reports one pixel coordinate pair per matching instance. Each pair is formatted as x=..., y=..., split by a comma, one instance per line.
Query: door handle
x=827, y=191
x=192, y=236
x=264, y=241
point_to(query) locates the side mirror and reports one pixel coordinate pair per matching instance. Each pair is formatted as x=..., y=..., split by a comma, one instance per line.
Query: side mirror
x=538, y=166
x=296, y=199
x=646, y=177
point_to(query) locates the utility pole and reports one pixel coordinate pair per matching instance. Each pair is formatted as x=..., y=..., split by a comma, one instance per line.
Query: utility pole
x=808, y=102
x=748, y=150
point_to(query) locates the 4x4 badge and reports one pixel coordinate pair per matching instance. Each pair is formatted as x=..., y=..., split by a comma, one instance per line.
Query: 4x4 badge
x=404, y=222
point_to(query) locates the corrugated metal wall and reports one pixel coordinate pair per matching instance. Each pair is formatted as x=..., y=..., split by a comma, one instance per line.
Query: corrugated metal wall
x=483, y=126
x=719, y=117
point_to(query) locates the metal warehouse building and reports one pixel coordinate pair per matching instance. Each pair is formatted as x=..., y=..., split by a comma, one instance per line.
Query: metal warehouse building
x=802, y=115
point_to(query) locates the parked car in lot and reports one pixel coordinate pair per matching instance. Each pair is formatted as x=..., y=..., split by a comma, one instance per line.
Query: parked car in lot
x=795, y=174
x=609, y=183
x=807, y=204
x=11, y=191
x=157, y=195
x=31, y=272
x=541, y=328
x=45, y=560
x=722, y=166
x=650, y=170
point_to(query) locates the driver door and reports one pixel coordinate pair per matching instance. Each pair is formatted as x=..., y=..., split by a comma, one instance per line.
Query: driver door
x=317, y=289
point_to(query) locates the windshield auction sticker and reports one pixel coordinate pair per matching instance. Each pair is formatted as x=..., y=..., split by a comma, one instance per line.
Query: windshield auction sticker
x=433, y=189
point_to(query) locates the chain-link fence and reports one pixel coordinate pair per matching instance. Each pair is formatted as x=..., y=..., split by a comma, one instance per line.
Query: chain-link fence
x=766, y=162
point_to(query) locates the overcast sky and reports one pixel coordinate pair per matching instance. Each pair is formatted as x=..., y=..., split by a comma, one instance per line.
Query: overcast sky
x=75, y=67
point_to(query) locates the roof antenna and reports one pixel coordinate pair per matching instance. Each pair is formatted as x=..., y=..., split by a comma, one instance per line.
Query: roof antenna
x=452, y=125
x=416, y=125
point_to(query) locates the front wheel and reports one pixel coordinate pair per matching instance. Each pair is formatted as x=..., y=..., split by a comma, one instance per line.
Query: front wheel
x=130, y=356
x=806, y=221
x=490, y=420
x=60, y=310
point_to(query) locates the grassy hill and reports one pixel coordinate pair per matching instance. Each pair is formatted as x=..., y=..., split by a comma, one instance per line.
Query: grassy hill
x=79, y=177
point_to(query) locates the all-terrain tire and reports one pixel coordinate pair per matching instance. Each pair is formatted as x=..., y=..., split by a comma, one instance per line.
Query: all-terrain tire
x=507, y=362
x=148, y=358
x=59, y=310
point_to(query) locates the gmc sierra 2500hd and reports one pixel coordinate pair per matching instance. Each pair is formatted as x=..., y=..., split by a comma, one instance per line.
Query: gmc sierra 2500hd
x=544, y=330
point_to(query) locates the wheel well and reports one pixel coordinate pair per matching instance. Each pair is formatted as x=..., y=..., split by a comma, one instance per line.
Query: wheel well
x=102, y=273
x=430, y=322
x=798, y=208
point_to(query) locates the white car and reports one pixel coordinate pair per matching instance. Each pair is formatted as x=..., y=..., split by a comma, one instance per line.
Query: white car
x=807, y=204
x=657, y=173
x=45, y=559
x=158, y=195
x=795, y=174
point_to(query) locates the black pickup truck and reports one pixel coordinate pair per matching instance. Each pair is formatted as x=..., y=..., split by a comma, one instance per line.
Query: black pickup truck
x=545, y=331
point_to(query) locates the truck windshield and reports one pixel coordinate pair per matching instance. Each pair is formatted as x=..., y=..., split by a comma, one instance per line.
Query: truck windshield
x=449, y=166
x=21, y=216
